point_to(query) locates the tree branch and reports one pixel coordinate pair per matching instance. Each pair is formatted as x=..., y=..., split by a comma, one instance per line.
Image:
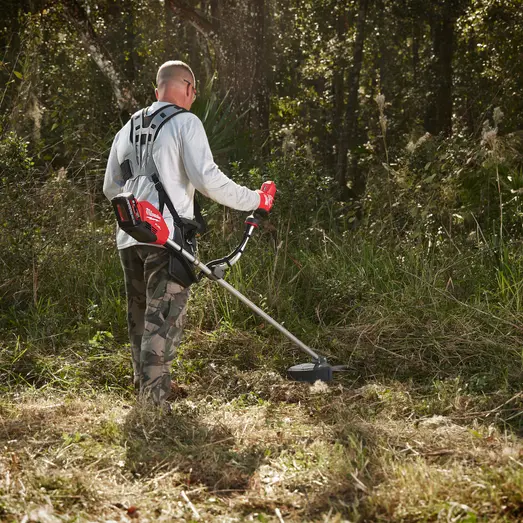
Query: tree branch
x=198, y=20
x=121, y=88
x=195, y=17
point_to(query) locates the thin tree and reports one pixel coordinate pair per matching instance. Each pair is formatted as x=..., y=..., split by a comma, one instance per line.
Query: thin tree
x=121, y=88
x=349, y=130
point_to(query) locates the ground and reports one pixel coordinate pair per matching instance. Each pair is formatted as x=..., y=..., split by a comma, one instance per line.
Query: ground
x=251, y=446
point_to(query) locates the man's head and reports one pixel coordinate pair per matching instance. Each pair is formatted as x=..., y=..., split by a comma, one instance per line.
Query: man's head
x=176, y=84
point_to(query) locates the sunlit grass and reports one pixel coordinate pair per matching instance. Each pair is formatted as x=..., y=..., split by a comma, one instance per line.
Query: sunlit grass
x=243, y=446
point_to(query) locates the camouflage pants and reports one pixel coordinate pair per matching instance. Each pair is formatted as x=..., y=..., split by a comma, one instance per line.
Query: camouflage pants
x=156, y=310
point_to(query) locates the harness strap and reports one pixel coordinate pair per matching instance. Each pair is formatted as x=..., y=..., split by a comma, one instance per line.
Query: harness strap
x=164, y=200
x=144, y=130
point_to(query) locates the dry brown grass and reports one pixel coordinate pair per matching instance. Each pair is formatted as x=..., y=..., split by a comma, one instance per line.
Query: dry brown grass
x=253, y=447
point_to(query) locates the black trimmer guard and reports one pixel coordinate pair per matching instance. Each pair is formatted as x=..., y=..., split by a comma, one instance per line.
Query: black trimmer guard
x=312, y=372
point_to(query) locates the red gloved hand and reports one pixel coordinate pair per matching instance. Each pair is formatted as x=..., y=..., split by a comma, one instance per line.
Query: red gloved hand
x=267, y=192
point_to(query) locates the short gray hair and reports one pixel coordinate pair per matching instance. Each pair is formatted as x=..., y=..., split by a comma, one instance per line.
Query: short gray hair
x=173, y=70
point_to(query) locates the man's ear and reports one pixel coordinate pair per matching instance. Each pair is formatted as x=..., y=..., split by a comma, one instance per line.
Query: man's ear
x=156, y=93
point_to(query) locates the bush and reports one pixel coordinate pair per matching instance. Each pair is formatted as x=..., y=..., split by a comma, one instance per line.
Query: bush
x=59, y=263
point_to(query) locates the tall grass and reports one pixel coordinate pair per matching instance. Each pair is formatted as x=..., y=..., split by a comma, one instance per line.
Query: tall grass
x=383, y=302
x=400, y=307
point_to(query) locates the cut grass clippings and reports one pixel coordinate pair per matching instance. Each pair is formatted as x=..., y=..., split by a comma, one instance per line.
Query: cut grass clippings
x=251, y=446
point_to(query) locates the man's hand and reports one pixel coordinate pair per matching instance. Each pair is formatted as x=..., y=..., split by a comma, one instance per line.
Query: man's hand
x=267, y=192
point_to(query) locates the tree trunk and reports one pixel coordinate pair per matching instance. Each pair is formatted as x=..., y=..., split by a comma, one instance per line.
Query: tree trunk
x=130, y=30
x=470, y=117
x=27, y=112
x=168, y=30
x=350, y=132
x=338, y=94
x=416, y=39
x=120, y=87
x=260, y=85
x=438, y=117
x=384, y=58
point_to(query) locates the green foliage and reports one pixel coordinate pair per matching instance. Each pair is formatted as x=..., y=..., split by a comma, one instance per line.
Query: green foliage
x=58, y=264
x=435, y=239
x=459, y=188
x=485, y=61
x=16, y=211
x=220, y=119
x=15, y=161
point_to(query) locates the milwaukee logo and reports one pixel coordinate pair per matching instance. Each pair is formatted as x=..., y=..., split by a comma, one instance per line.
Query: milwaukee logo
x=152, y=215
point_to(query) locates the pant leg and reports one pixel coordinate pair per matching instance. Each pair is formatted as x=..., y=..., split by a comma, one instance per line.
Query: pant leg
x=133, y=268
x=165, y=313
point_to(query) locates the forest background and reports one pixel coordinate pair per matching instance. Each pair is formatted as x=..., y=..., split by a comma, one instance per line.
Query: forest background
x=394, y=133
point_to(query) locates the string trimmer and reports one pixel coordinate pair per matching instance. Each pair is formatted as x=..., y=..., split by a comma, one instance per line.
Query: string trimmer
x=144, y=223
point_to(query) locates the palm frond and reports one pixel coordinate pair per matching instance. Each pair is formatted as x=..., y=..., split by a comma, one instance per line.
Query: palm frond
x=219, y=116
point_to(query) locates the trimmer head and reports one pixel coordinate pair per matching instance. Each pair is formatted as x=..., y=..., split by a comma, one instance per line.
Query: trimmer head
x=312, y=372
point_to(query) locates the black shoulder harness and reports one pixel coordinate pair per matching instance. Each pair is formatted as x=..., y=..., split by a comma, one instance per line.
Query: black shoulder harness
x=143, y=132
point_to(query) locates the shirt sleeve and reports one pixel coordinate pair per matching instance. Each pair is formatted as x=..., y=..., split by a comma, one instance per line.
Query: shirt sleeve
x=113, y=181
x=205, y=175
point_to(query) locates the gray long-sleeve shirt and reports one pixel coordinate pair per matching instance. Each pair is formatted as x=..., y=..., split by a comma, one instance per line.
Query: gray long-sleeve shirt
x=184, y=160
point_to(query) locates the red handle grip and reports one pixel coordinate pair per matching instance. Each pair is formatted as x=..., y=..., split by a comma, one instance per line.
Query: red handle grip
x=269, y=188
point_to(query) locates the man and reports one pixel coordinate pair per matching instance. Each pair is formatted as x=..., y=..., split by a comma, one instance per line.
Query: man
x=178, y=151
